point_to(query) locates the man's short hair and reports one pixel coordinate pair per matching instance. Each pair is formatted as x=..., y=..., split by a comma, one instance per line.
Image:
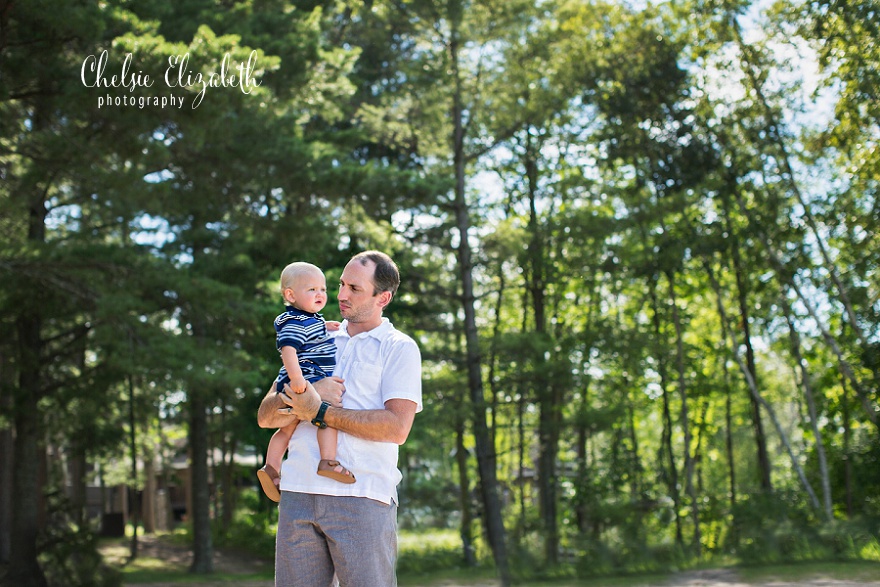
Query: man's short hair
x=386, y=276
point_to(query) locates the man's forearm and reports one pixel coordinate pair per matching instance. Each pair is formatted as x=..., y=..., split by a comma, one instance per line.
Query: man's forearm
x=391, y=424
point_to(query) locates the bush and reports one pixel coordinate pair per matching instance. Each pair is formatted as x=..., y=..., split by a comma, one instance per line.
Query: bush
x=249, y=532
x=429, y=552
x=780, y=528
x=69, y=553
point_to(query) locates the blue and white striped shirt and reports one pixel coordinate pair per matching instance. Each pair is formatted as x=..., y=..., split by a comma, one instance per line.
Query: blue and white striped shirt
x=315, y=348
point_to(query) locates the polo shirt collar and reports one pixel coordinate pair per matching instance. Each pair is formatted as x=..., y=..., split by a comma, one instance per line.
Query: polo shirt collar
x=379, y=332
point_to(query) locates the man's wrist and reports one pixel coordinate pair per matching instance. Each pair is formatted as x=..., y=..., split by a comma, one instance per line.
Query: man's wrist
x=318, y=420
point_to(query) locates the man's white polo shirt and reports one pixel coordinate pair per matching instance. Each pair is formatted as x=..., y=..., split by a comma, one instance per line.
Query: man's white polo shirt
x=377, y=365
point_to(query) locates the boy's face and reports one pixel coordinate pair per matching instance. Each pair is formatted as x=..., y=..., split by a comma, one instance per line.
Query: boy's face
x=308, y=292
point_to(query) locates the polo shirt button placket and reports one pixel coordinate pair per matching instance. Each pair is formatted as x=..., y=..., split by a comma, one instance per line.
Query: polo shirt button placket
x=347, y=352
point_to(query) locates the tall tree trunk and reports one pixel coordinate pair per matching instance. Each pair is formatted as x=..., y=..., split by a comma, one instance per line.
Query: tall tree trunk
x=698, y=451
x=582, y=434
x=199, y=474
x=789, y=280
x=847, y=456
x=132, y=446
x=486, y=455
x=635, y=483
x=742, y=291
x=666, y=434
x=493, y=350
x=148, y=503
x=782, y=158
x=685, y=421
x=807, y=385
x=728, y=333
x=521, y=456
x=7, y=466
x=24, y=568
x=77, y=462
x=77, y=466
x=728, y=441
x=549, y=402
x=229, y=496
x=464, y=491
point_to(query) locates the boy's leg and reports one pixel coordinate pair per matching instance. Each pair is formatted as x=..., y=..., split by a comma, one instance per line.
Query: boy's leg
x=327, y=441
x=362, y=538
x=278, y=445
x=328, y=466
x=270, y=474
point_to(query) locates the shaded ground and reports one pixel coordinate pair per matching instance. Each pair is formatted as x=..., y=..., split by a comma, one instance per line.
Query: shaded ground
x=165, y=556
x=730, y=578
x=177, y=557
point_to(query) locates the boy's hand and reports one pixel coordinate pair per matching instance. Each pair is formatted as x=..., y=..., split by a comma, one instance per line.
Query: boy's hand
x=332, y=326
x=297, y=384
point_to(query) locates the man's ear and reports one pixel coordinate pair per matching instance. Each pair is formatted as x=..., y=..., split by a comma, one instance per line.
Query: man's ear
x=384, y=299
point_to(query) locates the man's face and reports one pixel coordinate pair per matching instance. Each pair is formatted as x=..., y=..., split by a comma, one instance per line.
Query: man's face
x=357, y=303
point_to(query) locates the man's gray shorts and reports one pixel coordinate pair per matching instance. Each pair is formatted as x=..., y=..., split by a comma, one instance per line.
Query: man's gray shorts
x=318, y=535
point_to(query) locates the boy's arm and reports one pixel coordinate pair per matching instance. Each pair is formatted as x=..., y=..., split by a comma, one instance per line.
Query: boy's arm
x=291, y=365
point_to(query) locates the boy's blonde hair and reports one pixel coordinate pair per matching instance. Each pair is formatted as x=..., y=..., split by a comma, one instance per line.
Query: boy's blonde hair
x=293, y=272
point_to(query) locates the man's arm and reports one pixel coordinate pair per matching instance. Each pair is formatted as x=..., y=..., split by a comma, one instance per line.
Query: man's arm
x=391, y=424
x=330, y=389
x=268, y=415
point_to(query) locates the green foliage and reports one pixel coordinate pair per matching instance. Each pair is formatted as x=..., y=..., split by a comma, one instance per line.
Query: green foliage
x=250, y=532
x=425, y=553
x=69, y=552
x=650, y=198
x=779, y=528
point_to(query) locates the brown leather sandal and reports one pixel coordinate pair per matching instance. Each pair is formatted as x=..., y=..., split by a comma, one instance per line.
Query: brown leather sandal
x=328, y=468
x=267, y=476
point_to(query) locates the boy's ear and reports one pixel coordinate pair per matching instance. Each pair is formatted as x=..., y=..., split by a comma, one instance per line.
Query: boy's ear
x=288, y=295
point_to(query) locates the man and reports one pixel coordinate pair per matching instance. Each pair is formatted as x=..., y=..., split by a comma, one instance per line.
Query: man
x=325, y=527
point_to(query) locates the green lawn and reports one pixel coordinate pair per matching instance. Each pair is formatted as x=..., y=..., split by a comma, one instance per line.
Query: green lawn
x=857, y=571
x=433, y=558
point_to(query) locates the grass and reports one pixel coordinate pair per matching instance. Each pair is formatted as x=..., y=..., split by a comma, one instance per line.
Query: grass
x=852, y=570
x=433, y=558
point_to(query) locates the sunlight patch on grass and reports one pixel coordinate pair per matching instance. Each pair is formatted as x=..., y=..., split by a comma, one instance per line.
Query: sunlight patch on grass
x=871, y=551
x=410, y=541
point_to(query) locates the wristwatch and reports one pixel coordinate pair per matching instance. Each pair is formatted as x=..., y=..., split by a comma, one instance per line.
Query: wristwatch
x=318, y=420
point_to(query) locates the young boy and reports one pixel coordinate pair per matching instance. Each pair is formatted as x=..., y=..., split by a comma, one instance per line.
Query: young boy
x=308, y=353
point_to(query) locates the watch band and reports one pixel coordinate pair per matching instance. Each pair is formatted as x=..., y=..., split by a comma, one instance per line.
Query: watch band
x=318, y=420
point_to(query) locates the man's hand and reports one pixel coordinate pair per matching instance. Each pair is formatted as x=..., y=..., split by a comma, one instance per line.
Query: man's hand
x=275, y=413
x=331, y=389
x=268, y=415
x=302, y=405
